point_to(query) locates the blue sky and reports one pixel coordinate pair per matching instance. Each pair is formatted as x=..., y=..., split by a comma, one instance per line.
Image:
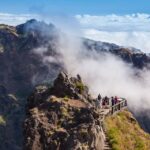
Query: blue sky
x=92, y=7
x=124, y=22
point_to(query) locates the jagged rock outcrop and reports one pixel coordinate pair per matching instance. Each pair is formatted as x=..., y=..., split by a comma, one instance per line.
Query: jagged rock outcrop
x=62, y=118
x=72, y=87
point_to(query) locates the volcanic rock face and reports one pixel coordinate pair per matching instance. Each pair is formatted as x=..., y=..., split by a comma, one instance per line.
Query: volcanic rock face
x=60, y=118
x=72, y=87
x=20, y=70
x=20, y=66
x=9, y=120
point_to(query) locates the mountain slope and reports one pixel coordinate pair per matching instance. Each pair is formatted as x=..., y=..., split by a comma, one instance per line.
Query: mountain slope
x=125, y=133
x=10, y=120
x=20, y=70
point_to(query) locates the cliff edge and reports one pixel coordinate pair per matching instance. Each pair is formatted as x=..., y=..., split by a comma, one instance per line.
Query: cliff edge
x=62, y=118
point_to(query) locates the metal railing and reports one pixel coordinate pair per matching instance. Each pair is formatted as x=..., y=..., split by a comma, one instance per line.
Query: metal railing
x=119, y=106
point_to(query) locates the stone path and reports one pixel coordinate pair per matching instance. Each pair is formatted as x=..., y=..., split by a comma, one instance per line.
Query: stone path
x=110, y=111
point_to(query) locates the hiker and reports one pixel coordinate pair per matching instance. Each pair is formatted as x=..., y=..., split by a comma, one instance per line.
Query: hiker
x=79, y=77
x=125, y=102
x=116, y=99
x=105, y=101
x=98, y=101
x=99, y=97
x=112, y=101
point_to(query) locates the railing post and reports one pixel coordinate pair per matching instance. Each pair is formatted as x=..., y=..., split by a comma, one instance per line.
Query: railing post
x=112, y=110
x=125, y=102
x=118, y=106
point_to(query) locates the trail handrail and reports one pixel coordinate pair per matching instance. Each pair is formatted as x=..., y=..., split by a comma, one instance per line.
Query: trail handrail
x=119, y=106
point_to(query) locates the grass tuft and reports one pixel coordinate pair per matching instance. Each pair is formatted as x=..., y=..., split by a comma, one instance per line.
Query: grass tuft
x=2, y=121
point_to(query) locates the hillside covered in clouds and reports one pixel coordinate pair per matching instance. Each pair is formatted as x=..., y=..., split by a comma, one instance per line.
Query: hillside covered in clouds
x=34, y=53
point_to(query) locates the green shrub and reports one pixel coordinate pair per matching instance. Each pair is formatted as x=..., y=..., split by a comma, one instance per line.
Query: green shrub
x=2, y=120
x=64, y=112
x=50, y=133
x=80, y=86
x=66, y=98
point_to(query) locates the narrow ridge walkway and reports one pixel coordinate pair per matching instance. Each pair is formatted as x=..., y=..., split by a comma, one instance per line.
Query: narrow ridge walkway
x=107, y=112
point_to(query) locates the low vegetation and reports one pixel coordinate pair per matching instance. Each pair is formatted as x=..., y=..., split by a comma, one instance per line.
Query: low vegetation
x=80, y=86
x=1, y=48
x=124, y=133
x=2, y=120
x=66, y=98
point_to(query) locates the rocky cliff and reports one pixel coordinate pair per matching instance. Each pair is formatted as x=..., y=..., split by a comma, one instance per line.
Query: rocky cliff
x=10, y=108
x=62, y=118
x=20, y=70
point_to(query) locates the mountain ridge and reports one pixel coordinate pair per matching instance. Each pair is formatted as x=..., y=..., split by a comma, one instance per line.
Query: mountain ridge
x=22, y=69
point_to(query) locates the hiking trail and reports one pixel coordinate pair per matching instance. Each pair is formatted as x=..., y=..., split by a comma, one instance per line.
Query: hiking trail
x=110, y=111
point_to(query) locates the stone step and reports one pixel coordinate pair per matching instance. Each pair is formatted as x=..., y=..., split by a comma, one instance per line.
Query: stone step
x=107, y=148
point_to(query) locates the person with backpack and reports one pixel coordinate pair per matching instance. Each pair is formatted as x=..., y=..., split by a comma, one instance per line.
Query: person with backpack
x=112, y=101
x=99, y=101
x=99, y=97
x=116, y=99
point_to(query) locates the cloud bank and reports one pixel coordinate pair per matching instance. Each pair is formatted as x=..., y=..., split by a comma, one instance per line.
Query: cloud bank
x=132, y=22
x=127, y=30
x=105, y=74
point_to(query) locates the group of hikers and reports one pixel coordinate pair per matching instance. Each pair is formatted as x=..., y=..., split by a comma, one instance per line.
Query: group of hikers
x=106, y=102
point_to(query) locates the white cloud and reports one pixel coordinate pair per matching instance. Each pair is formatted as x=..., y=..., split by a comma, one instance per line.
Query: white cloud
x=14, y=19
x=127, y=30
x=133, y=22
